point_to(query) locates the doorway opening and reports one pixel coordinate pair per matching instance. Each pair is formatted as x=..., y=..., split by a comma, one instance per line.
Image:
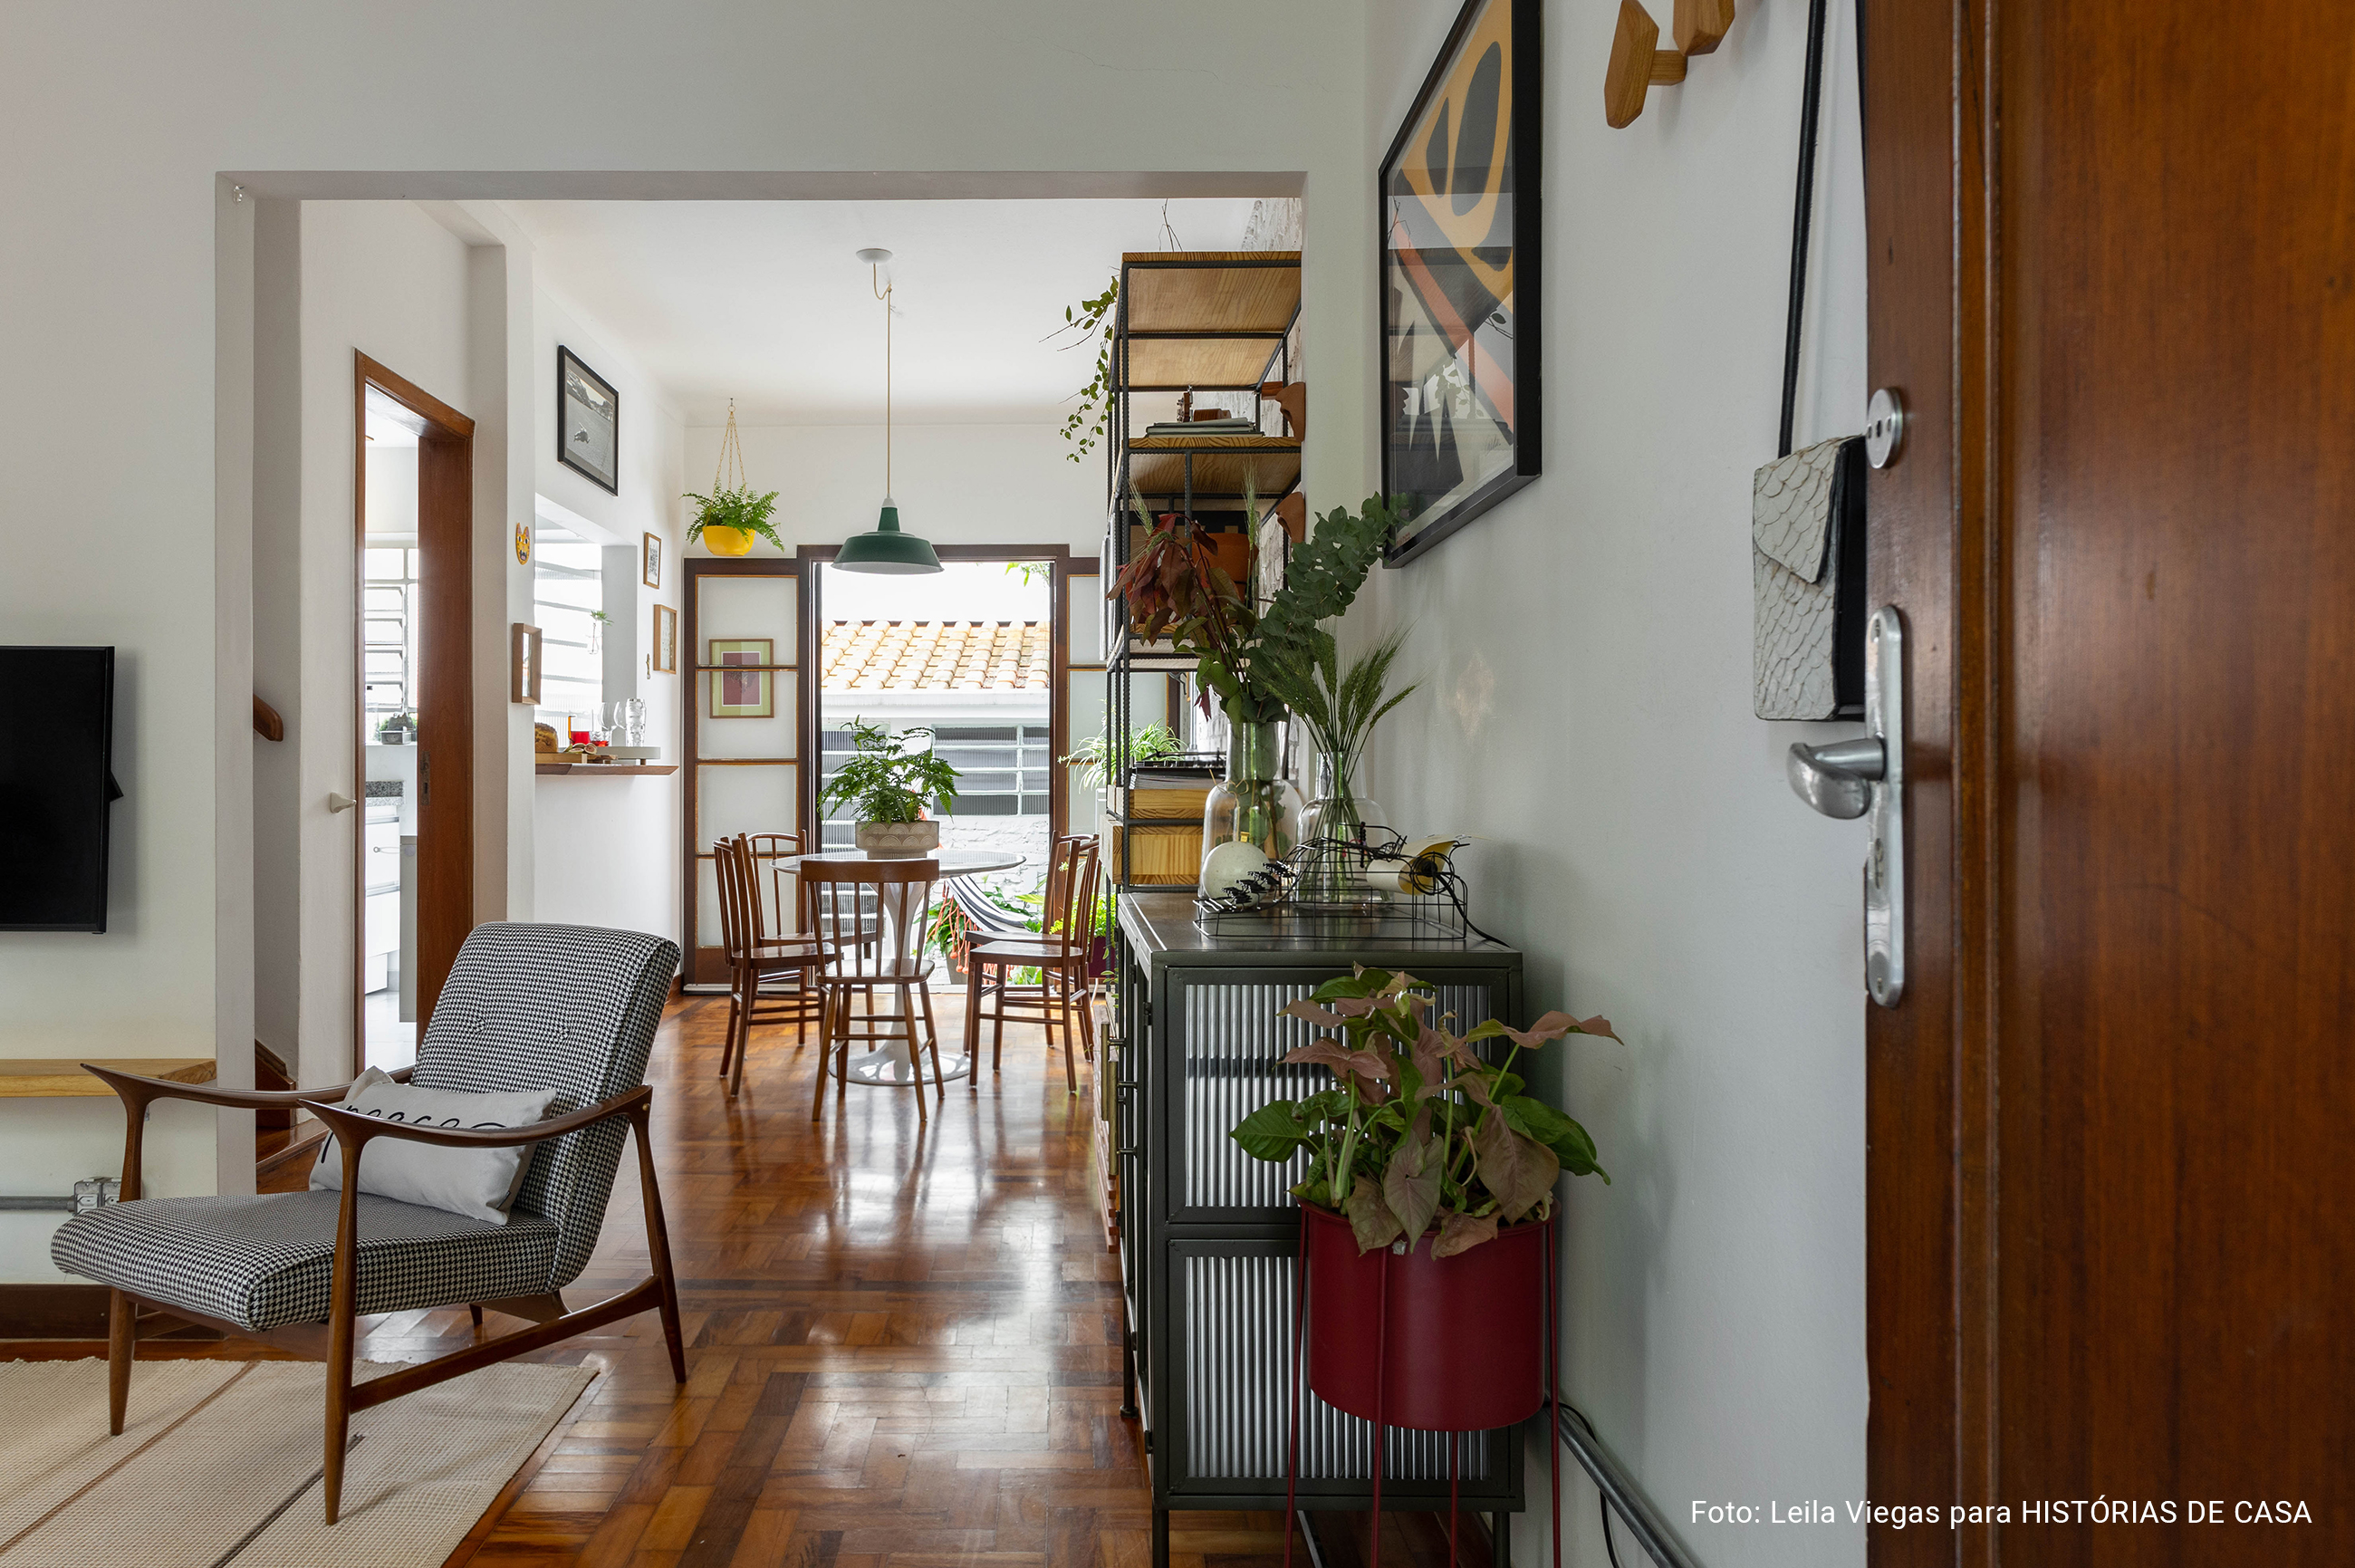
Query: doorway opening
x=412, y=478
x=967, y=661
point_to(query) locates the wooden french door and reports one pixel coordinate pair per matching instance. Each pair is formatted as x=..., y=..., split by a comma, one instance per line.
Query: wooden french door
x=433, y=836
x=2112, y=1248
x=743, y=766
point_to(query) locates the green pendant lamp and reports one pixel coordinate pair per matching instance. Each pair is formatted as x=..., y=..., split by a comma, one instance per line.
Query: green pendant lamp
x=886, y=551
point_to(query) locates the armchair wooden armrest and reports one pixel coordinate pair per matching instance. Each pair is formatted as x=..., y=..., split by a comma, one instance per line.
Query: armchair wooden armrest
x=361, y=1128
x=137, y=1094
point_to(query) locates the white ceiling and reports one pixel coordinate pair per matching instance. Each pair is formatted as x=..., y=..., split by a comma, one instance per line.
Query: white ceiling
x=768, y=303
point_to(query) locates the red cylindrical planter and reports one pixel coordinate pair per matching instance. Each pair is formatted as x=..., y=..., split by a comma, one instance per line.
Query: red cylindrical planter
x=1465, y=1347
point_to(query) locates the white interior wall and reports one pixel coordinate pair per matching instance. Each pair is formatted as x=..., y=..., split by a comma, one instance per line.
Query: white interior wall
x=1590, y=638
x=606, y=849
x=955, y=484
x=385, y=280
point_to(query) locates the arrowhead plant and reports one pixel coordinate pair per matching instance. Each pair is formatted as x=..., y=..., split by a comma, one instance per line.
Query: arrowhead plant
x=1420, y=1132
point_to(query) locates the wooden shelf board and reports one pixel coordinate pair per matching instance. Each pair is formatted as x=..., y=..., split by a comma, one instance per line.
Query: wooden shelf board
x=1213, y=291
x=61, y=1078
x=1213, y=367
x=626, y=770
x=1156, y=465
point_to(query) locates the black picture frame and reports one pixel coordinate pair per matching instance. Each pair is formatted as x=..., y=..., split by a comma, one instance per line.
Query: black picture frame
x=1451, y=272
x=582, y=424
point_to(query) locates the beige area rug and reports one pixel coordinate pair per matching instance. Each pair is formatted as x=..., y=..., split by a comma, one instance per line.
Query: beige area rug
x=218, y=1464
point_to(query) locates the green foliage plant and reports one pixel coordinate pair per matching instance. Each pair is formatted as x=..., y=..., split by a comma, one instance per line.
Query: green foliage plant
x=1340, y=707
x=1149, y=744
x=1420, y=1132
x=1084, y=323
x=886, y=780
x=1176, y=588
x=738, y=509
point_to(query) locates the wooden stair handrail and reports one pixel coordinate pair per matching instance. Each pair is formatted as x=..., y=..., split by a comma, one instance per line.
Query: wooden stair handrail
x=266, y=722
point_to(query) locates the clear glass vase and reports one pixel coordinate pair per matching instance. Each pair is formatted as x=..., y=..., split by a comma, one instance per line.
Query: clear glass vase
x=1255, y=805
x=1338, y=815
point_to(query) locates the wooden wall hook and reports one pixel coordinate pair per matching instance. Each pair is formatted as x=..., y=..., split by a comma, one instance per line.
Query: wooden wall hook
x=1636, y=63
x=1701, y=25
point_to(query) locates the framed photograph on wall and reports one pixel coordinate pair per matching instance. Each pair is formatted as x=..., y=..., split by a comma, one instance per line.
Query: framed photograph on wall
x=588, y=421
x=746, y=693
x=651, y=561
x=666, y=641
x=1458, y=360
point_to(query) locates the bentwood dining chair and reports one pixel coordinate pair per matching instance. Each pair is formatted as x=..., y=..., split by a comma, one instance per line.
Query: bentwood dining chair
x=567, y=1008
x=772, y=974
x=1064, y=955
x=893, y=897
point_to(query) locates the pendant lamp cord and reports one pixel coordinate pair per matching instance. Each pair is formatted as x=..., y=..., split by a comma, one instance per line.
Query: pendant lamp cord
x=884, y=292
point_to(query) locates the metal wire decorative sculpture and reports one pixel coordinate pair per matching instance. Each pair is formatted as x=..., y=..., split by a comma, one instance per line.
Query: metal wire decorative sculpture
x=1395, y=883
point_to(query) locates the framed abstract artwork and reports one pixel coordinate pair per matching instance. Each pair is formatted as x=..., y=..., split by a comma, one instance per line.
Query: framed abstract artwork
x=747, y=693
x=588, y=421
x=1458, y=358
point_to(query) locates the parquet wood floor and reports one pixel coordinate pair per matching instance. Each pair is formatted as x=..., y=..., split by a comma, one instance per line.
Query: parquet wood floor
x=903, y=1344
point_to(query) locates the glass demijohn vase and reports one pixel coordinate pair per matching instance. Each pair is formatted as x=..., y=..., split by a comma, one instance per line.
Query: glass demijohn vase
x=1255, y=803
x=1337, y=814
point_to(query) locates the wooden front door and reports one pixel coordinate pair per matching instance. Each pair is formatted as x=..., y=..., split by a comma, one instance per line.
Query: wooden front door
x=2111, y=1228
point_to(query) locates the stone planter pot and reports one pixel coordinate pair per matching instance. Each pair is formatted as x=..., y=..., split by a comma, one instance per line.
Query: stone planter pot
x=898, y=840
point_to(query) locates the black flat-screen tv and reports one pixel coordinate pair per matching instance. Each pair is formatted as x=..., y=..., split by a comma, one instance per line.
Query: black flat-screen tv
x=57, y=780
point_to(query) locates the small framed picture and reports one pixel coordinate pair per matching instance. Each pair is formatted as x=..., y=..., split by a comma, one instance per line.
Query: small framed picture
x=523, y=663
x=653, y=564
x=588, y=421
x=748, y=692
x=666, y=654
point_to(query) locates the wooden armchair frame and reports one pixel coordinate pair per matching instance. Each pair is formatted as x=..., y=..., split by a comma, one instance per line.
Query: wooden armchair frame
x=332, y=1342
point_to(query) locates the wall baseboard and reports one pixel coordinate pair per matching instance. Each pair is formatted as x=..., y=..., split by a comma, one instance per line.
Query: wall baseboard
x=70, y=1312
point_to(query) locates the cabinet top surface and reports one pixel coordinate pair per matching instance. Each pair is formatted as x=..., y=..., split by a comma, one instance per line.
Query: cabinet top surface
x=1161, y=928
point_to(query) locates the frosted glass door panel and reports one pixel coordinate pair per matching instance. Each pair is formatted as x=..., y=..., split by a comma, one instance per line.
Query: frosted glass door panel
x=772, y=737
x=1086, y=706
x=749, y=607
x=1085, y=620
x=729, y=801
x=707, y=903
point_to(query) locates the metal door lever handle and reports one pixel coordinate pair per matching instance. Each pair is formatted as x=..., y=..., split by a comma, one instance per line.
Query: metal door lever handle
x=1837, y=779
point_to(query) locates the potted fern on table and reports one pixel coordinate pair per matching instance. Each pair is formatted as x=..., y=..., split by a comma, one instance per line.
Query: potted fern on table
x=889, y=782
x=1425, y=1205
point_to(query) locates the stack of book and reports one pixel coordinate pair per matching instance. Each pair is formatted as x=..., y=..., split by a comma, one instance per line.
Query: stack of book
x=1204, y=427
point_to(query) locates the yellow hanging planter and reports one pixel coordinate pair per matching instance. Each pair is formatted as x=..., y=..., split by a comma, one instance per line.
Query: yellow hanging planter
x=735, y=500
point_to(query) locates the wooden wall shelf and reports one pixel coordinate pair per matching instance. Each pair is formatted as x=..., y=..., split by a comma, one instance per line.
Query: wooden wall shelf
x=61, y=1078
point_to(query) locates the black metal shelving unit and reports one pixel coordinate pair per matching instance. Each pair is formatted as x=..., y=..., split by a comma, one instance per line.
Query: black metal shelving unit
x=1205, y=322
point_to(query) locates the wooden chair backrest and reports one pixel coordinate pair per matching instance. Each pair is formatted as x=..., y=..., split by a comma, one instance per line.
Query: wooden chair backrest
x=777, y=909
x=731, y=864
x=846, y=896
x=1073, y=892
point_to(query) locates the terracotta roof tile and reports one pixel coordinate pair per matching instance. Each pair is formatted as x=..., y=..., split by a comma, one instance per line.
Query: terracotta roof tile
x=938, y=656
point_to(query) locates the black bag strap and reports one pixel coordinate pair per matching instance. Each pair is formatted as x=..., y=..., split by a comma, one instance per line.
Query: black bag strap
x=1803, y=210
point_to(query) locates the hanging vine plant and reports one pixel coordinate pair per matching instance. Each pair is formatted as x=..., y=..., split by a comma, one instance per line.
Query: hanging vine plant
x=1083, y=324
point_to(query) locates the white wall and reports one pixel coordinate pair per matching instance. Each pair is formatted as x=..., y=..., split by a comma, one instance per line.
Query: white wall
x=956, y=484
x=605, y=851
x=1589, y=641
x=384, y=279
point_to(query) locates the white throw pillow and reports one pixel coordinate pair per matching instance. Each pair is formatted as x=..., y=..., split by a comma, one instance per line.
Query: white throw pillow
x=479, y=1183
